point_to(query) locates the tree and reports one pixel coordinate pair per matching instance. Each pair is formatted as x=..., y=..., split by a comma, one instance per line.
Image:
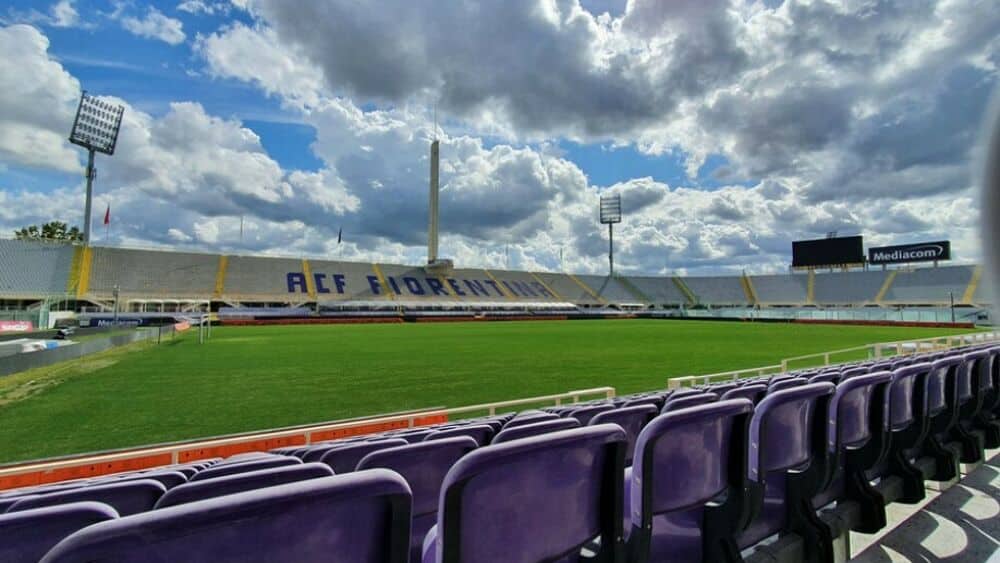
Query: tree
x=53, y=230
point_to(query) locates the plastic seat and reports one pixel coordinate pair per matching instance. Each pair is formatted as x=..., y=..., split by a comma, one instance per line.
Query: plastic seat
x=584, y=414
x=529, y=419
x=536, y=429
x=631, y=419
x=942, y=416
x=239, y=482
x=362, y=518
x=510, y=502
x=684, y=460
x=687, y=400
x=344, y=459
x=753, y=392
x=28, y=535
x=481, y=433
x=786, y=465
x=223, y=469
x=786, y=383
x=126, y=497
x=424, y=467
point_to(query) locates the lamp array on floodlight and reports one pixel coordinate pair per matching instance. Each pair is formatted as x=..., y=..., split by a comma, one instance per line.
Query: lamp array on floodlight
x=95, y=128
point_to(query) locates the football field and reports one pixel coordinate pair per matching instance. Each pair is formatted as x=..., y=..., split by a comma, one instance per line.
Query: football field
x=257, y=378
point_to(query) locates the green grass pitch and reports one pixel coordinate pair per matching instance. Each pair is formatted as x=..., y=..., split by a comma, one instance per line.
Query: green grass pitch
x=255, y=378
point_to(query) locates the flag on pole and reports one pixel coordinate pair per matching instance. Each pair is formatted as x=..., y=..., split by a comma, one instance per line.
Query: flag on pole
x=340, y=233
x=107, y=215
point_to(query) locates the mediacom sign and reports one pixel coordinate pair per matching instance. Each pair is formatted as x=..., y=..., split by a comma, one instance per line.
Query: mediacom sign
x=920, y=252
x=16, y=326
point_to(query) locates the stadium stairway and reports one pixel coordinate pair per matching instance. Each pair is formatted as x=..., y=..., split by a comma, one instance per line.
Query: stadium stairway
x=799, y=463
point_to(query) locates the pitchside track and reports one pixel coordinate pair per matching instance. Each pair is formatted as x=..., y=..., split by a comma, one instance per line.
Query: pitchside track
x=255, y=378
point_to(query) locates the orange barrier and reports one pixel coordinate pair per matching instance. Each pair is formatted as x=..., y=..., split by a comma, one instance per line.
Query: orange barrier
x=78, y=467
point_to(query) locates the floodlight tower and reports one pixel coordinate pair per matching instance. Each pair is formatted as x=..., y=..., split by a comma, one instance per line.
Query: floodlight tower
x=95, y=128
x=435, y=264
x=611, y=213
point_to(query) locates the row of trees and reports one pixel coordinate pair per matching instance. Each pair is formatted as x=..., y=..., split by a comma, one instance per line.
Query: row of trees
x=53, y=230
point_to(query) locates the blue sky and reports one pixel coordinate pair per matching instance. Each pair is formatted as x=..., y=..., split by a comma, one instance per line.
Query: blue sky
x=730, y=127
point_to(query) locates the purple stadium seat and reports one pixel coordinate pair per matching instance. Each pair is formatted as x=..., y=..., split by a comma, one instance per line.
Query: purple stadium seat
x=942, y=415
x=344, y=459
x=985, y=380
x=685, y=462
x=529, y=419
x=168, y=479
x=854, y=372
x=536, y=429
x=127, y=497
x=857, y=439
x=970, y=395
x=416, y=435
x=785, y=383
x=240, y=458
x=239, y=482
x=584, y=414
x=223, y=469
x=361, y=518
x=424, y=467
x=753, y=391
x=687, y=400
x=825, y=377
x=28, y=535
x=787, y=462
x=530, y=500
x=631, y=419
x=481, y=433
x=655, y=401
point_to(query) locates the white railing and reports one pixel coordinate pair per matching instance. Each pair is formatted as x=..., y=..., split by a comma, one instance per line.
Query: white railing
x=874, y=351
x=557, y=399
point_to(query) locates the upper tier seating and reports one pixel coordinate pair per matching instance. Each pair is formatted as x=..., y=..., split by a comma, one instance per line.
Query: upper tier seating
x=721, y=290
x=848, y=288
x=787, y=289
x=659, y=290
x=612, y=290
x=34, y=269
x=151, y=274
x=929, y=285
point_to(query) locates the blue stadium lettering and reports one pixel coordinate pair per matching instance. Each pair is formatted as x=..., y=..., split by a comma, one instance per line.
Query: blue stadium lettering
x=392, y=284
x=375, y=285
x=494, y=285
x=454, y=286
x=542, y=289
x=476, y=287
x=414, y=286
x=297, y=280
x=525, y=288
x=436, y=286
x=320, y=288
x=340, y=282
x=511, y=289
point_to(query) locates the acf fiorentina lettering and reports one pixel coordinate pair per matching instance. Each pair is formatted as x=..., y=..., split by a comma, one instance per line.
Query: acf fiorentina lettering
x=418, y=286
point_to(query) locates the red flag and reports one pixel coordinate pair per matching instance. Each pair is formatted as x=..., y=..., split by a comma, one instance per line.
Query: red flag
x=107, y=215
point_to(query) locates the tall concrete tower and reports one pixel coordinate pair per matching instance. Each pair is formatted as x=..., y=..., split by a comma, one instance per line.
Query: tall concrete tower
x=432, y=223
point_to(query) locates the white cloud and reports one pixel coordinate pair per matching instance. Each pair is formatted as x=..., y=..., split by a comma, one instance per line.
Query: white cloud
x=202, y=7
x=64, y=14
x=155, y=25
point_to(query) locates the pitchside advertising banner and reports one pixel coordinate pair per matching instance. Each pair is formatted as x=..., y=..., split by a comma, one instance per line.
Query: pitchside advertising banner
x=16, y=326
x=919, y=252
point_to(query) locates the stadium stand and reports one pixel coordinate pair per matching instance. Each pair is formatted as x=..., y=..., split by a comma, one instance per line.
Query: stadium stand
x=660, y=291
x=354, y=276
x=262, y=279
x=721, y=290
x=571, y=289
x=929, y=285
x=150, y=274
x=34, y=269
x=612, y=290
x=787, y=289
x=848, y=288
x=780, y=468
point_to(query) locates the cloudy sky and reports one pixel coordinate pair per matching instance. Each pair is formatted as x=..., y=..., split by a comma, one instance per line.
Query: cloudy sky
x=729, y=127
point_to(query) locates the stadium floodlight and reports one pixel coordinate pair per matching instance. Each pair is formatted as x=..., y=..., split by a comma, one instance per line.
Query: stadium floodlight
x=611, y=213
x=95, y=128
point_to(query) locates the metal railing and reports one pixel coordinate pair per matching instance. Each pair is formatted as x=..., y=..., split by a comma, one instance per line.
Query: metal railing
x=871, y=351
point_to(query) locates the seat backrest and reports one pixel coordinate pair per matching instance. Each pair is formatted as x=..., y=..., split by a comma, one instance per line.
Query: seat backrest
x=510, y=502
x=28, y=535
x=752, y=391
x=536, y=429
x=168, y=478
x=826, y=376
x=363, y=517
x=584, y=414
x=780, y=430
x=529, y=419
x=223, y=469
x=941, y=377
x=655, y=401
x=903, y=393
x=423, y=465
x=126, y=497
x=682, y=458
x=239, y=482
x=344, y=459
x=631, y=419
x=786, y=383
x=968, y=375
x=688, y=400
x=481, y=433
x=850, y=419
x=854, y=372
